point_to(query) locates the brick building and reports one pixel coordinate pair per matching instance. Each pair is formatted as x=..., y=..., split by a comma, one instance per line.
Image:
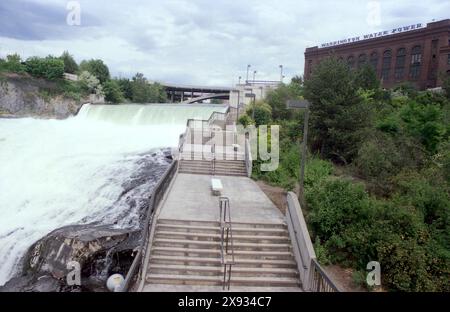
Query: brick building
x=416, y=53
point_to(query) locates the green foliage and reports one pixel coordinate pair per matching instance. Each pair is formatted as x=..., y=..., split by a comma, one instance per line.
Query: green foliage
x=70, y=65
x=126, y=86
x=338, y=113
x=112, y=91
x=144, y=92
x=245, y=120
x=366, y=78
x=277, y=99
x=50, y=67
x=89, y=83
x=96, y=68
x=446, y=86
x=261, y=112
x=12, y=64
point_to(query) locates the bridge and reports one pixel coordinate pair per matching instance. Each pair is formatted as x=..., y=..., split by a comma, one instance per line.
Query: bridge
x=209, y=227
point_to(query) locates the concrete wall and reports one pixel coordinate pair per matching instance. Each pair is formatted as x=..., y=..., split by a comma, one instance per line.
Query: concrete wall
x=259, y=89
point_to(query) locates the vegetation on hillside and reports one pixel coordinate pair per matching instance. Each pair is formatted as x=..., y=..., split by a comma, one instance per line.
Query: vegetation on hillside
x=93, y=78
x=377, y=181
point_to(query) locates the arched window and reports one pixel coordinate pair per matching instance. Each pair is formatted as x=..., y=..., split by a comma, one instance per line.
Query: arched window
x=362, y=59
x=400, y=64
x=374, y=60
x=385, y=71
x=416, y=62
x=351, y=61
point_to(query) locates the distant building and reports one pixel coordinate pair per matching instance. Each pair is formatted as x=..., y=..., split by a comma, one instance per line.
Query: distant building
x=244, y=94
x=417, y=53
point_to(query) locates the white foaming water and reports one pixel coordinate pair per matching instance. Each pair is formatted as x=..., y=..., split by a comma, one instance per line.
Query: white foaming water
x=55, y=173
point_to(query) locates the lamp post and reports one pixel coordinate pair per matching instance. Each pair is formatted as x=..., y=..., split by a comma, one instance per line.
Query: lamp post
x=281, y=73
x=254, y=76
x=240, y=79
x=303, y=104
x=248, y=68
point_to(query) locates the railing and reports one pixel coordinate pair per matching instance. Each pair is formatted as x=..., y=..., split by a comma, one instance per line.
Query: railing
x=320, y=281
x=156, y=197
x=248, y=158
x=226, y=241
x=312, y=276
x=213, y=159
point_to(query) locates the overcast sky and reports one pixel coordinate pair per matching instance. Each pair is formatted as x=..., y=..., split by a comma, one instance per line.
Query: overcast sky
x=199, y=41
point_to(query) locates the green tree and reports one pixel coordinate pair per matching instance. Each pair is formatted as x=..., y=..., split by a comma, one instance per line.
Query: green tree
x=70, y=65
x=277, y=99
x=144, y=92
x=366, y=78
x=126, y=86
x=50, y=67
x=112, y=91
x=338, y=113
x=96, y=68
x=261, y=113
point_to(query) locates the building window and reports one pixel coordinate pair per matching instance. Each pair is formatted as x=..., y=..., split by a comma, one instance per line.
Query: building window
x=387, y=57
x=400, y=64
x=362, y=59
x=416, y=62
x=448, y=59
x=351, y=61
x=310, y=66
x=374, y=60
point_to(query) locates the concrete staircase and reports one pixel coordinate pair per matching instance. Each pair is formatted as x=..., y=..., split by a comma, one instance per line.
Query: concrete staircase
x=222, y=167
x=188, y=253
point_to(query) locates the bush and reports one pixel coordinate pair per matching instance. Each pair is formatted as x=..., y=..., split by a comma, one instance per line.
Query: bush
x=50, y=68
x=96, y=68
x=112, y=91
x=262, y=113
x=89, y=83
x=70, y=65
x=144, y=92
x=245, y=120
x=12, y=64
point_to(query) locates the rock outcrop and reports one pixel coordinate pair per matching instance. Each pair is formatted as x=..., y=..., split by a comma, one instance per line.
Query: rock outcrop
x=22, y=96
x=98, y=250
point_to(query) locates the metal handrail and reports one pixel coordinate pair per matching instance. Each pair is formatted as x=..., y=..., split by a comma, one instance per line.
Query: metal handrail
x=157, y=195
x=213, y=159
x=320, y=281
x=226, y=240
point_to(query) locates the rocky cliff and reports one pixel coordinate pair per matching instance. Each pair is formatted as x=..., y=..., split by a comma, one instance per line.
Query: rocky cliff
x=23, y=96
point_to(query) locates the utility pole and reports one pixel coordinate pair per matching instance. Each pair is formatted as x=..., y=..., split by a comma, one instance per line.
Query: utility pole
x=254, y=76
x=281, y=73
x=248, y=68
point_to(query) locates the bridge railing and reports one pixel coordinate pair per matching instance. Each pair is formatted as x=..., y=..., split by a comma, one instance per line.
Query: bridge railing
x=156, y=197
x=312, y=276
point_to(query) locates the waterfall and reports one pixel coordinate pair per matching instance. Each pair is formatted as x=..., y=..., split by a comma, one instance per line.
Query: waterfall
x=55, y=173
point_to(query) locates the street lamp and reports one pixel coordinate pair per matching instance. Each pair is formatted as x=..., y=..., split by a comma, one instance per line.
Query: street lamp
x=254, y=76
x=248, y=68
x=240, y=79
x=302, y=104
x=281, y=73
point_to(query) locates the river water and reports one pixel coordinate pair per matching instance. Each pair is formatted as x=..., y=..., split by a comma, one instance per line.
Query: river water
x=55, y=173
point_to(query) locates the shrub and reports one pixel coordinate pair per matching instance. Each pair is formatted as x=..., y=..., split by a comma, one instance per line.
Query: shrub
x=70, y=65
x=12, y=64
x=96, y=68
x=261, y=112
x=112, y=91
x=245, y=120
x=89, y=83
x=50, y=68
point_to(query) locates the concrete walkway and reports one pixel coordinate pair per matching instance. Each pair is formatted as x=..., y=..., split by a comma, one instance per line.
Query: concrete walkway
x=191, y=199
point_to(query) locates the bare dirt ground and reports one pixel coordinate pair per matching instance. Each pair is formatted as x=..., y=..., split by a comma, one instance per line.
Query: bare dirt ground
x=276, y=194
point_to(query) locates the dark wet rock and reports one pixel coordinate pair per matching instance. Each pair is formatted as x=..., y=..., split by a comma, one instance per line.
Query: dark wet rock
x=100, y=251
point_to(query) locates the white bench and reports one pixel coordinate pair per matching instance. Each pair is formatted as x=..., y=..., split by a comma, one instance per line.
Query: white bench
x=216, y=186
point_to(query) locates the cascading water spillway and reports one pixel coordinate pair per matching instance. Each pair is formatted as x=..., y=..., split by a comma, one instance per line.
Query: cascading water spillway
x=96, y=167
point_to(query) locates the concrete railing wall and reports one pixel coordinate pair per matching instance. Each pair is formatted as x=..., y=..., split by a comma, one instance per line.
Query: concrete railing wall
x=301, y=241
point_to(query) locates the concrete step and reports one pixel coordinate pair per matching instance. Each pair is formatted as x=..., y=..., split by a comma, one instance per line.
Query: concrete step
x=218, y=271
x=162, y=242
x=217, y=224
x=216, y=229
x=211, y=253
x=197, y=261
x=237, y=238
x=217, y=280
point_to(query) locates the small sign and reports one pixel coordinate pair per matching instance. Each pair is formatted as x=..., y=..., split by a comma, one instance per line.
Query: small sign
x=250, y=95
x=297, y=104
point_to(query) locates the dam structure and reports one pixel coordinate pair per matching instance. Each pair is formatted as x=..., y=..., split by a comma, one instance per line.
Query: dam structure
x=211, y=228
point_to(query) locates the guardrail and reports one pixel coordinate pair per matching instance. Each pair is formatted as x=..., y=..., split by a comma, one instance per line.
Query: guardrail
x=226, y=241
x=157, y=195
x=312, y=276
x=248, y=158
